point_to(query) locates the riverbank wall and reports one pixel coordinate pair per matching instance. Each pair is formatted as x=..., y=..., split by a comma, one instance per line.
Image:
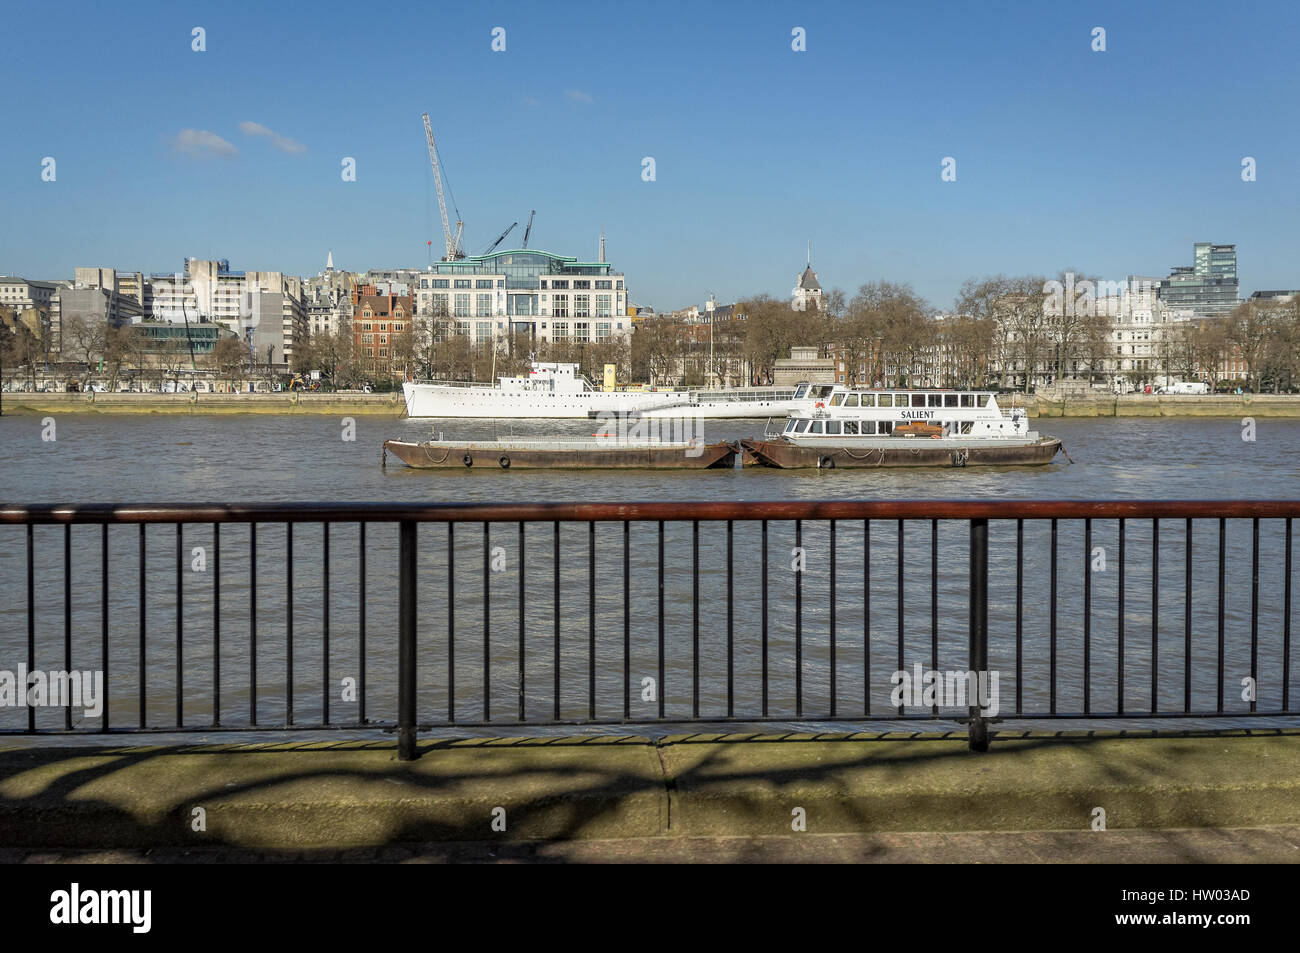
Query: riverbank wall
x=1150, y=405
x=385, y=405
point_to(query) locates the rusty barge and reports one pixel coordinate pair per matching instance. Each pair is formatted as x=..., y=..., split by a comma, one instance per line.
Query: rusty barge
x=902, y=452
x=561, y=454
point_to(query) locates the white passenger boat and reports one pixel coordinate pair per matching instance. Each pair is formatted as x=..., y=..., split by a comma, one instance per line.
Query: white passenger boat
x=555, y=390
x=837, y=426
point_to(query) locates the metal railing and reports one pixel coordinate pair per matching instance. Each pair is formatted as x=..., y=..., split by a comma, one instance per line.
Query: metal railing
x=641, y=636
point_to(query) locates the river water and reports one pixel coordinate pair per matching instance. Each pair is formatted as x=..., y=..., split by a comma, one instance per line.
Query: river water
x=128, y=459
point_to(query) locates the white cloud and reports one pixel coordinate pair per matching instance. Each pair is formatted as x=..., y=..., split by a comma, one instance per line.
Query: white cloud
x=578, y=96
x=284, y=144
x=200, y=142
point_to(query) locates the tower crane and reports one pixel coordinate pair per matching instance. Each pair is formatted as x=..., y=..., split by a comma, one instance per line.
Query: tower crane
x=454, y=251
x=500, y=239
x=529, y=230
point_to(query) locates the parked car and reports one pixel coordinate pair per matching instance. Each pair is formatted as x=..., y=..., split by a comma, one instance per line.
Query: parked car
x=96, y=387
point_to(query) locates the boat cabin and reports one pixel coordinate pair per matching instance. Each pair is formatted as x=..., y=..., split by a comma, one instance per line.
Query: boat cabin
x=833, y=410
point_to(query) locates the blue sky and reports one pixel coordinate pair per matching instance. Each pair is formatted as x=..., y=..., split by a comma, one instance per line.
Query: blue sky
x=1112, y=163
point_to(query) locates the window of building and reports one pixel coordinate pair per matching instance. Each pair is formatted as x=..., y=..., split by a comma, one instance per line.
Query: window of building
x=441, y=283
x=559, y=330
x=603, y=306
x=560, y=306
x=462, y=306
x=559, y=284
x=482, y=305
x=582, y=306
x=602, y=330
x=462, y=282
x=604, y=285
x=483, y=283
x=582, y=284
x=620, y=286
x=582, y=332
x=367, y=339
x=482, y=332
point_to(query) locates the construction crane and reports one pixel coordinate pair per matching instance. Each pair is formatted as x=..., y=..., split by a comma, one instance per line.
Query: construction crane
x=500, y=238
x=529, y=230
x=454, y=251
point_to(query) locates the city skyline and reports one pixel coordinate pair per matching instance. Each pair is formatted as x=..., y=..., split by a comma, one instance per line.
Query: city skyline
x=1114, y=170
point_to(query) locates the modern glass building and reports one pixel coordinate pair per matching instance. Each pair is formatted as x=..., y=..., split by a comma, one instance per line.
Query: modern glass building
x=1206, y=289
x=527, y=292
x=162, y=336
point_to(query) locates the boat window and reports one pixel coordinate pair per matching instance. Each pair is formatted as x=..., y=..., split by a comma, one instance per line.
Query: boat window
x=800, y=426
x=789, y=426
x=800, y=391
x=816, y=427
x=968, y=400
x=886, y=400
x=851, y=427
x=837, y=400
x=832, y=426
x=868, y=400
x=918, y=400
x=885, y=426
x=851, y=400
x=950, y=400
x=967, y=425
x=935, y=400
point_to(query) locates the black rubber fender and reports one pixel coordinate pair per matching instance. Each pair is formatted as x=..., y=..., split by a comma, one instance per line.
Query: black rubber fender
x=826, y=463
x=505, y=462
x=467, y=460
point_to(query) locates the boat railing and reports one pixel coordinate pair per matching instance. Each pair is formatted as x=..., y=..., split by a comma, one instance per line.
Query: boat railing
x=442, y=383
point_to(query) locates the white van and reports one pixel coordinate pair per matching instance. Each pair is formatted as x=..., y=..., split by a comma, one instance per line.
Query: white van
x=1188, y=387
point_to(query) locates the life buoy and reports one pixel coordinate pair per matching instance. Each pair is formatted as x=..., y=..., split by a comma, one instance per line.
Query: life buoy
x=467, y=460
x=826, y=463
x=821, y=405
x=505, y=462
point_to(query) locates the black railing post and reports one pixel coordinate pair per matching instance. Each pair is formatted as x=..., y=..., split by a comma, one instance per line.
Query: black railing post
x=406, y=642
x=979, y=628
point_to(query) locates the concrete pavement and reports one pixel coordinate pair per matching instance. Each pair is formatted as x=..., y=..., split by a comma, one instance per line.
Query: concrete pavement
x=719, y=797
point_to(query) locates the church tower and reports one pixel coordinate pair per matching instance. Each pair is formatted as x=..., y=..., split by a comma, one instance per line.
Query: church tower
x=807, y=291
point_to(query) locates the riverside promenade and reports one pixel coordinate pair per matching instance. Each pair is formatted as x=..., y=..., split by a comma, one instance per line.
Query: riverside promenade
x=1232, y=796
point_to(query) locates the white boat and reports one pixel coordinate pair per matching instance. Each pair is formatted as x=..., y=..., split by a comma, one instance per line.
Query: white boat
x=843, y=426
x=553, y=390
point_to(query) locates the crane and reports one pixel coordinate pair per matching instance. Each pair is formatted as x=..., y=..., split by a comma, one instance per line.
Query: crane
x=500, y=239
x=529, y=230
x=453, y=242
